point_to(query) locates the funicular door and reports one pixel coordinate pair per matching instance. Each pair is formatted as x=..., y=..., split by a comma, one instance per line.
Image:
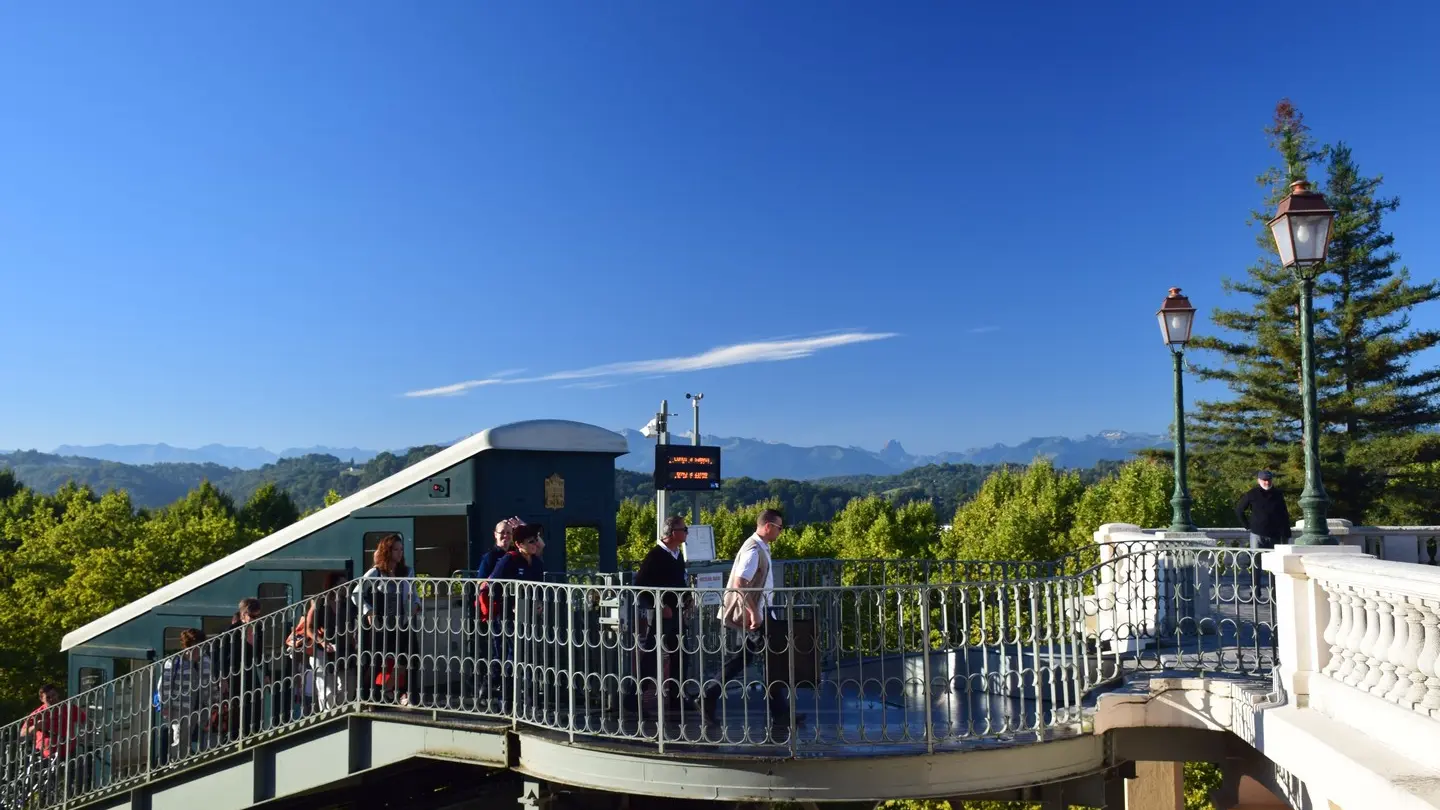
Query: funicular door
x=107, y=705
x=113, y=740
x=427, y=641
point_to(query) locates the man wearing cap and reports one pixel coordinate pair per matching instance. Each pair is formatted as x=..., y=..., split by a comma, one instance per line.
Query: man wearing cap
x=1269, y=520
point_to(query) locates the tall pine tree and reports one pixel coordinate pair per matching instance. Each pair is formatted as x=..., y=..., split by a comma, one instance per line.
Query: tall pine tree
x=1375, y=409
x=1383, y=407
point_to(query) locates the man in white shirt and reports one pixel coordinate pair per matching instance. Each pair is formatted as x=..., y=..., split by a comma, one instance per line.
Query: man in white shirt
x=749, y=598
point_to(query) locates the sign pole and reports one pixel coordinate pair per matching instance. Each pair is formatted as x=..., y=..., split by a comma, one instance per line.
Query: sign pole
x=662, y=436
x=695, y=440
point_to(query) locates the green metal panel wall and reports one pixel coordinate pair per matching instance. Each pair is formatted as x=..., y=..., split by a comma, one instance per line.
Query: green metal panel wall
x=341, y=540
x=512, y=482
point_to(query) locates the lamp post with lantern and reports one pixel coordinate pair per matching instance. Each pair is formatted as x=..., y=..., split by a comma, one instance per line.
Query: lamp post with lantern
x=1176, y=318
x=1301, y=229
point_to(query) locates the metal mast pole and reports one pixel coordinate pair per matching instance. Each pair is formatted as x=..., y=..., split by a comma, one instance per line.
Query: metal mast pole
x=1180, y=520
x=1314, y=502
x=695, y=440
x=662, y=436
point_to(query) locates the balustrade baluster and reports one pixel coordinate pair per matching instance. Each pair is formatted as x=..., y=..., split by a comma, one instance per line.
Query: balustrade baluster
x=1428, y=647
x=1409, y=643
x=1382, y=666
x=1367, y=622
x=1430, y=658
x=1333, y=628
x=1350, y=632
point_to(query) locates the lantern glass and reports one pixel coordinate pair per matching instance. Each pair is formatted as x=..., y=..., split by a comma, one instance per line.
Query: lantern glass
x=1175, y=325
x=1280, y=229
x=1312, y=236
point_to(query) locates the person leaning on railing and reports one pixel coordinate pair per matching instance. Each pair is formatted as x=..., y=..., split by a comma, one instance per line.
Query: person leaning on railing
x=186, y=699
x=54, y=726
x=745, y=609
x=245, y=668
x=322, y=636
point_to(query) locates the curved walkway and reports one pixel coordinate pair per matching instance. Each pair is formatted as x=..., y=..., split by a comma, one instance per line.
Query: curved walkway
x=891, y=662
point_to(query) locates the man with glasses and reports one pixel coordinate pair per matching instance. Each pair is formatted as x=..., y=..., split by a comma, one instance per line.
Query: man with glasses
x=504, y=544
x=663, y=567
x=749, y=596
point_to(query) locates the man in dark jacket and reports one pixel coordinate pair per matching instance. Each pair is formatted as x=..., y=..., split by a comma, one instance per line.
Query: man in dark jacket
x=663, y=567
x=1269, y=520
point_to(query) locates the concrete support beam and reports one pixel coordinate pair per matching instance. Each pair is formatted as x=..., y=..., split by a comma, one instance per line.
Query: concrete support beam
x=1156, y=786
x=1253, y=796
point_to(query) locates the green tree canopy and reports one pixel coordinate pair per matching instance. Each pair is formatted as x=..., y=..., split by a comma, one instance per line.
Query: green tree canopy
x=1017, y=516
x=267, y=511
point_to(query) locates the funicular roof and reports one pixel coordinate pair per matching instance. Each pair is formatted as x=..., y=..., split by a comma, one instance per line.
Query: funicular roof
x=540, y=435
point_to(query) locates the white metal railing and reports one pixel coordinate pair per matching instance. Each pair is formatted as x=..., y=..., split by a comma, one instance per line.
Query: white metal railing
x=885, y=656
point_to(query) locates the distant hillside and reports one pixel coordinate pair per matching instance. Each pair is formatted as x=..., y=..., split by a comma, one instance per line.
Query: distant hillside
x=750, y=458
x=306, y=478
x=309, y=477
x=244, y=458
x=149, y=485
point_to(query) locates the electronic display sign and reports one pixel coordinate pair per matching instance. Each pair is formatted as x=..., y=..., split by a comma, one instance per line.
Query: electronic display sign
x=686, y=467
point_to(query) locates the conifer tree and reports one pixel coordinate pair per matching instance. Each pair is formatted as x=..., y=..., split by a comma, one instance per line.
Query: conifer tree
x=1373, y=404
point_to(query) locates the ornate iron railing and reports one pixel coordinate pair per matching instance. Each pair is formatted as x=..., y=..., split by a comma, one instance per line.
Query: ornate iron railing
x=859, y=656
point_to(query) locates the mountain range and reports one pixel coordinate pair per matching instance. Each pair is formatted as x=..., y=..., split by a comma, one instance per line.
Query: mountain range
x=244, y=458
x=766, y=460
x=740, y=457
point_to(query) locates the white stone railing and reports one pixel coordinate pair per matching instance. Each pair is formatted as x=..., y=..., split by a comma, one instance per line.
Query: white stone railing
x=1382, y=636
x=1409, y=544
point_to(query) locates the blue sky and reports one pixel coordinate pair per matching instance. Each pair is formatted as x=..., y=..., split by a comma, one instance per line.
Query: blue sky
x=945, y=223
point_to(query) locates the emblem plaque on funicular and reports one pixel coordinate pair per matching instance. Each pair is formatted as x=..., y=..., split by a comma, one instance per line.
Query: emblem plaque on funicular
x=555, y=492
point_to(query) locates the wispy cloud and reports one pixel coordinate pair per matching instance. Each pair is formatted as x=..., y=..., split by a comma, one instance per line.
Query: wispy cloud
x=981, y=330
x=591, y=386
x=767, y=351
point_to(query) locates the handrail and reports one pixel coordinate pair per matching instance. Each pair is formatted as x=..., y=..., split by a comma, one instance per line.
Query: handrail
x=897, y=666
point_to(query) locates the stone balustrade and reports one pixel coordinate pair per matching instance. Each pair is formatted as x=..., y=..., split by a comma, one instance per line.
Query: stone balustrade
x=1406, y=544
x=1382, y=636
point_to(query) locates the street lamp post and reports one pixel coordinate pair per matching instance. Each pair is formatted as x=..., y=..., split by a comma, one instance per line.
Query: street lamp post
x=1176, y=318
x=1301, y=229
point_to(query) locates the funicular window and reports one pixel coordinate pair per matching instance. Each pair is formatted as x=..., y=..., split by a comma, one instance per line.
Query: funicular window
x=90, y=678
x=313, y=583
x=172, y=643
x=372, y=542
x=275, y=626
x=273, y=596
x=441, y=545
x=215, y=625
